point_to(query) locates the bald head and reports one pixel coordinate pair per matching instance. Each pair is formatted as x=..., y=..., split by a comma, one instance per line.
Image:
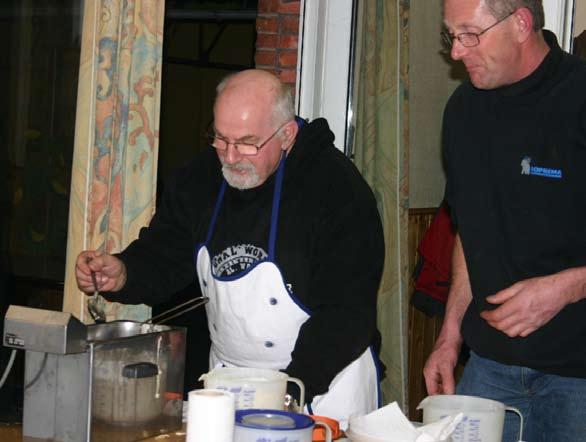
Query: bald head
x=261, y=87
x=263, y=80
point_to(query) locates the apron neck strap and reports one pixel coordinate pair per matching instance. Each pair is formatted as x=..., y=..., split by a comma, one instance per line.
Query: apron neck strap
x=216, y=211
x=274, y=211
x=276, y=205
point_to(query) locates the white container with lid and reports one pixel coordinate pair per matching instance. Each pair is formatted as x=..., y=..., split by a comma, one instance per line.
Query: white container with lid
x=275, y=425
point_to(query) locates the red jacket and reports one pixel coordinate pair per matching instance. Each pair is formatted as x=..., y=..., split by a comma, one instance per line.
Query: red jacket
x=432, y=276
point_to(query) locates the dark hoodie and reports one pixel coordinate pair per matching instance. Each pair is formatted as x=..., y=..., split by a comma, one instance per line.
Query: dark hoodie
x=330, y=246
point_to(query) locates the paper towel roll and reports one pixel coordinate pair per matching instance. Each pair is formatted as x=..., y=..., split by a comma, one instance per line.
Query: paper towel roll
x=210, y=416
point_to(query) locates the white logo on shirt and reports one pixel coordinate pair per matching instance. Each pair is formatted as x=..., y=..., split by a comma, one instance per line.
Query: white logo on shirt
x=235, y=259
x=526, y=166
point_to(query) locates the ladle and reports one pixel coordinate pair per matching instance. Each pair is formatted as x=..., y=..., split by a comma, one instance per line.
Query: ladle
x=94, y=305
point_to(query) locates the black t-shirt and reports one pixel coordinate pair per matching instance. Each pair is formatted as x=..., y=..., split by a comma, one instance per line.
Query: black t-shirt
x=329, y=246
x=516, y=160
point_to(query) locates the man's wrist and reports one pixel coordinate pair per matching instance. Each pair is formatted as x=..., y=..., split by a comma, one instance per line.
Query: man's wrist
x=576, y=284
x=121, y=280
x=450, y=335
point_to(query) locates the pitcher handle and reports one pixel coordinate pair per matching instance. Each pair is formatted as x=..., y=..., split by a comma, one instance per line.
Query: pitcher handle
x=516, y=410
x=326, y=428
x=301, y=386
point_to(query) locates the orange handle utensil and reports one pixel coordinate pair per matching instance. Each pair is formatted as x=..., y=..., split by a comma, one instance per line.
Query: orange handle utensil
x=319, y=434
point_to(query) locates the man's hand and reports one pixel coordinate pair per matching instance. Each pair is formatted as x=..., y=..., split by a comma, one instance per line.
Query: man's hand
x=528, y=305
x=110, y=272
x=439, y=368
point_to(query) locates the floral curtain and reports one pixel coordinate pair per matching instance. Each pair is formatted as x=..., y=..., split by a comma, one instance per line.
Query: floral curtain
x=381, y=155
x=114, y=169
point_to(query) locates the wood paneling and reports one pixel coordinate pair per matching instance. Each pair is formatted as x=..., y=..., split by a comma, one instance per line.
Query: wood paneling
x=423, y=329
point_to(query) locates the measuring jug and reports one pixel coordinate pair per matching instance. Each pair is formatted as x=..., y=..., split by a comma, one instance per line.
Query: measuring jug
x=253, y=387
x=483, y=418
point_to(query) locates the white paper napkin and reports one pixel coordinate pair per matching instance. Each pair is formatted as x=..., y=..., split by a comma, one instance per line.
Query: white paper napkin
x=389, y=424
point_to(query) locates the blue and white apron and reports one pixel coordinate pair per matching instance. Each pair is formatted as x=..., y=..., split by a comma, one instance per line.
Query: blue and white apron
x=254, y=322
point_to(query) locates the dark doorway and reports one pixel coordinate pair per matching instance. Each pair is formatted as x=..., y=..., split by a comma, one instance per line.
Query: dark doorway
x=203, y=42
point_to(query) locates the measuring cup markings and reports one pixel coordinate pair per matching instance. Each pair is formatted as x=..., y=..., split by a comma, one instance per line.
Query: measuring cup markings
x=243, y=396
x=234, y=390
x=280, y=439
x=248, y=396
x=467, y=427
x=474, y=431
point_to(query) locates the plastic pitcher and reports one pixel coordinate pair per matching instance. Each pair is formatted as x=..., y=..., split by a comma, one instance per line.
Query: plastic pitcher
x=253, y=387
x=483, y=418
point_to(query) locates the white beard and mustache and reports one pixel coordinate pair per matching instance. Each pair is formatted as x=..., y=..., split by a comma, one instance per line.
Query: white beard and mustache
x=234, y=177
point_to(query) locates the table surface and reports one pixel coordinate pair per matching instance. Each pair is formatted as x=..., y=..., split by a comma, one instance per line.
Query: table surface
x=13, y=433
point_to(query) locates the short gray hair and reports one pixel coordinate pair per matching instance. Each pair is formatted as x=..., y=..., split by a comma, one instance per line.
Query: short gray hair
x=500, y=8
x=283, y=106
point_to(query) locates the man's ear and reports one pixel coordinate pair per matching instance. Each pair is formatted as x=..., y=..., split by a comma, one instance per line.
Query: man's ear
x=524, y=23
x=289, y=132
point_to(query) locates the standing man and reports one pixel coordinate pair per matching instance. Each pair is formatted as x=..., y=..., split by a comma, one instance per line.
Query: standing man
x=515, y=153
x=285, y=239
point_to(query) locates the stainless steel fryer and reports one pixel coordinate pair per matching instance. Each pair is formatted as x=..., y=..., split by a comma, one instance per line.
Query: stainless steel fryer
x=118, y=381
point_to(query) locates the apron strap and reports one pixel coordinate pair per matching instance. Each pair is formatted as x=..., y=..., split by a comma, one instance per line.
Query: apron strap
x=216, y=211
x=275, y=209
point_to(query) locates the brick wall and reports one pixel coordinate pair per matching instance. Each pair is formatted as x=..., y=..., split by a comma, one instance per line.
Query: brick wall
x=277, y=27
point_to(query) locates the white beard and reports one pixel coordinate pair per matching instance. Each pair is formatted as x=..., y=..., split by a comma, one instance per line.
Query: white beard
x=234, y=177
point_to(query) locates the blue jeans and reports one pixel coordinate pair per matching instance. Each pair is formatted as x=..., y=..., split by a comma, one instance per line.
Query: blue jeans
x=553, y=407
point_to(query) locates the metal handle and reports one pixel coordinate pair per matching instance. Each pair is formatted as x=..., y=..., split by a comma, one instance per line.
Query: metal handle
x=140, y=370
x=202, y=300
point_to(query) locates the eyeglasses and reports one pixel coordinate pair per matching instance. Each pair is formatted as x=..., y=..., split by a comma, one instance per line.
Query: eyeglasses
x=469, y=39
x=249, y=149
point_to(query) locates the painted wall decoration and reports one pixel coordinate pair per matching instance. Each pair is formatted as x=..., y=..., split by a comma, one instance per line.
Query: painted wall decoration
x=116, y=144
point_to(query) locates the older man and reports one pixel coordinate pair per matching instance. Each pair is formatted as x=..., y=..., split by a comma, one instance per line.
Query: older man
x=515, y=154
x=287, y=244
